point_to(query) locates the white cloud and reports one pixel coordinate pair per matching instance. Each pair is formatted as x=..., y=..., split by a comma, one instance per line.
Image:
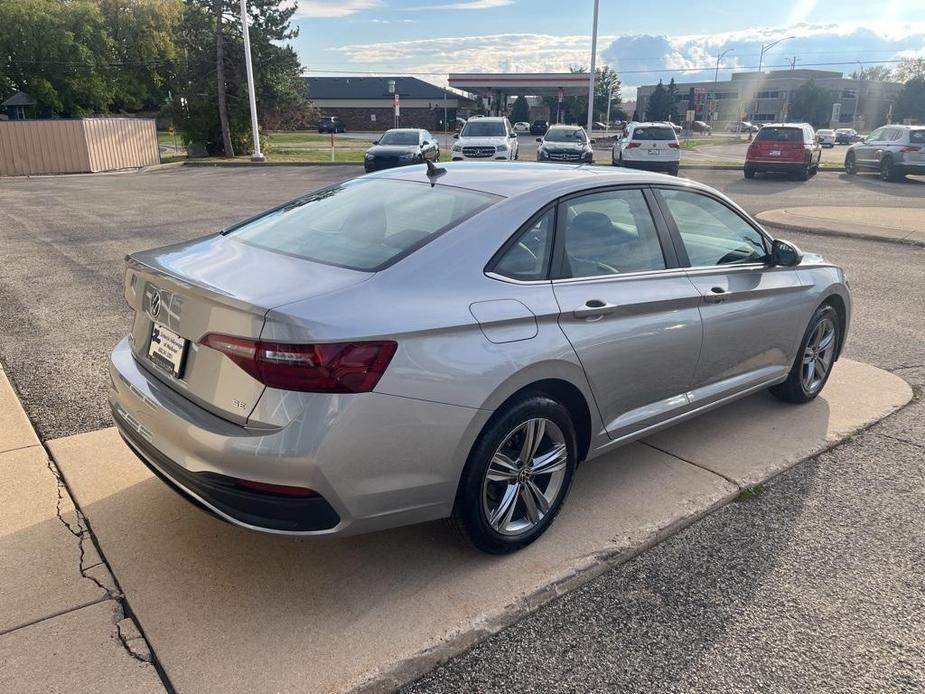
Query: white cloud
x=466, y=5
x=334, y=8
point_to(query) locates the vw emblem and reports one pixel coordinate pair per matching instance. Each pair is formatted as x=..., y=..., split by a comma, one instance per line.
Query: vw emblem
x=154, y=305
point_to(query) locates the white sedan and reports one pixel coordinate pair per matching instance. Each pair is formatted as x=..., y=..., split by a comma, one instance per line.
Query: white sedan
x=521, y=127
x=825, y=137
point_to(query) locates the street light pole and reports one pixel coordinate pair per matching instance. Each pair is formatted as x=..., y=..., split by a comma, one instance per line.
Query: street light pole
x=765, y=49
x=593, y=68
x=716, y=78
x=257, y=155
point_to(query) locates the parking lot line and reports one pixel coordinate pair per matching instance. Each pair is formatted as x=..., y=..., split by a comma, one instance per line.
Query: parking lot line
x=229, y=609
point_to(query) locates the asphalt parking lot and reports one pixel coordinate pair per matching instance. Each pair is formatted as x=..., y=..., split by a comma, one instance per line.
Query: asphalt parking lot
x=815, y=584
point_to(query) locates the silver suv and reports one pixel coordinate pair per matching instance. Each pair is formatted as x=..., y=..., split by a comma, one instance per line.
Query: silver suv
x=893, y=150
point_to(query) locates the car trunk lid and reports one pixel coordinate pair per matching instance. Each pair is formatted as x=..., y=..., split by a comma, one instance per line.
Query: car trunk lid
x=220, y=285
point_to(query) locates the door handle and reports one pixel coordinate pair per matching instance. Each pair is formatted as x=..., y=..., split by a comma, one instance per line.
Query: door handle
x=717, y=296
x=594, y=307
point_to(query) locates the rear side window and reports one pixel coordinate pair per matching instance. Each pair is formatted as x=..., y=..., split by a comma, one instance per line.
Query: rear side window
x=362, y=224
x=780, y=135
x=917, y=137
x=653, y=134
x=528, y=258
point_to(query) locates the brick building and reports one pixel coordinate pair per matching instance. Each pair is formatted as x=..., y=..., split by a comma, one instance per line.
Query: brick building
x=368, y=103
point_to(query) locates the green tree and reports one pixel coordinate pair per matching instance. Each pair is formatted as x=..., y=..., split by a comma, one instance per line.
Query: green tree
x=58, y=52
x=812, y=103
x=521, y=110
x=672, y=94
x=874, y=73
x=911, y=100
x=606, y=84
x=212, y=82
x=658, y=106
x=910, y=69
x=574, y=109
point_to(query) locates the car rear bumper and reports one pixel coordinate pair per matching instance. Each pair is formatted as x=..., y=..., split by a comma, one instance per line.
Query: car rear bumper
x=914, y=169
x=663, y=165
x=775, y=166
x=374, y=460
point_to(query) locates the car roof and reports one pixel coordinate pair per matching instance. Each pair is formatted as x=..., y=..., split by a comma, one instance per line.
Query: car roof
x=562, y=126
x=510, y=179
x=490, y=117
x=650, y=124
x=785, y=125
x=404, y=130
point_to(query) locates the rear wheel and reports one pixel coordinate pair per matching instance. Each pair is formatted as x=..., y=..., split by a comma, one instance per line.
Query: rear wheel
x=803, y=174
x=517, y=476
x=888, y=170
x=814, y=360
x=673, y=170
x=749, y=172
x=851, y=165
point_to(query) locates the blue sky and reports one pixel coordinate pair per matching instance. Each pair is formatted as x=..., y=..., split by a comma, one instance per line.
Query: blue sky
x=643, y=41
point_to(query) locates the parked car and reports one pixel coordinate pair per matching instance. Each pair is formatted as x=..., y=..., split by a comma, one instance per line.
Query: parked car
x=784, y=148
x=486, y=138
x=400, y=147
x=674, y=126
x=417, y=344
x=846, y=136
x=598, y=125
x=331, y=124
x=568, y=143
x=698, y=126
x=521, y=127
x=651, y=146
x=825, y=137
x=742, y=127
x=539, y=127
x=893, y=150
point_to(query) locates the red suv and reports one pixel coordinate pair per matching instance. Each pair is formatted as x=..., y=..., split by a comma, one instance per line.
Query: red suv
x=786, y=147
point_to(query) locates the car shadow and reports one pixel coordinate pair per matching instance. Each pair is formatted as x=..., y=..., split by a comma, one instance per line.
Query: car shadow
x=872, y=182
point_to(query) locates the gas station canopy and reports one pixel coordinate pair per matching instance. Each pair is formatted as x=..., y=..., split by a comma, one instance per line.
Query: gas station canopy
x=486, y=84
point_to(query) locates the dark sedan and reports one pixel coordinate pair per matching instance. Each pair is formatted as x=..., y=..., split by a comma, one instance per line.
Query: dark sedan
x=400, y=147
x=331, y=124
x=539, y=127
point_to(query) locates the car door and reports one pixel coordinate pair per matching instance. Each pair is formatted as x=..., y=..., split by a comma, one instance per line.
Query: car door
x=753, y=313
x=626, y=307
x=865, y=150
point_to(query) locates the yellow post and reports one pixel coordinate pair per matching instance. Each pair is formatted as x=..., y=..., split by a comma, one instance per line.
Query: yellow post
x=332, y=146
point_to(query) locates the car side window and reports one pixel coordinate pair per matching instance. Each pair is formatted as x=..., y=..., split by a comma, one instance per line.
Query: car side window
x=876, y=134
x=528, y=257
x=610, y=233
x=712, y=233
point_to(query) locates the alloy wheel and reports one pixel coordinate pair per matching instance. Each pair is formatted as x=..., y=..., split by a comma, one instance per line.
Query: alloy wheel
x=525, y=478
x=818, y=355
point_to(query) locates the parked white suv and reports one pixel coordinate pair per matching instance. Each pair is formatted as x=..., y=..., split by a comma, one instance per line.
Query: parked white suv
x=648, y=146
x=486, y=139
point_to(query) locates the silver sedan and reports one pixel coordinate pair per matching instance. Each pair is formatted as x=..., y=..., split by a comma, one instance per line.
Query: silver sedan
x=430, y=342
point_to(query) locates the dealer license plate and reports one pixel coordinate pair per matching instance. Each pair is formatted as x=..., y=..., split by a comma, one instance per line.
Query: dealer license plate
x=167, y=350
x=654, y=151
x=775, y=152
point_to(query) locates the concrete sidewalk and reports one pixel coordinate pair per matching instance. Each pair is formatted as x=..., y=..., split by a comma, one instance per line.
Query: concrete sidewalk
x=898, y=224
x=232, y=610
x=62, y=622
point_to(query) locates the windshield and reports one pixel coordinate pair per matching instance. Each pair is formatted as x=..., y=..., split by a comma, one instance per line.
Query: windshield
x=397, y=137
x=480, y=128
x=565, y=135
x=780, y=134
x=362, y=224
x=653, y=134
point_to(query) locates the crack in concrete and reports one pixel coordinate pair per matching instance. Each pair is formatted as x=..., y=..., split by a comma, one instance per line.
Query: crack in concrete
x=730, y=480
x=901, y=440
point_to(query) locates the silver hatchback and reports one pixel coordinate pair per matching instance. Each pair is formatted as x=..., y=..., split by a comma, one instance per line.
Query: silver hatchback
x=422, y=343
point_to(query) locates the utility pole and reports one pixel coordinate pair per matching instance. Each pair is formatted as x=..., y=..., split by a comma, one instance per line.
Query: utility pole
x=715, y=79
x=593, y=67
x=256, y=155
x=227, y=147
x=764, y=49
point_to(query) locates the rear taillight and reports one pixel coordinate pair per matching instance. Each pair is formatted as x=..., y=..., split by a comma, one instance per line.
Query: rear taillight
x=910, y=148
x=338, y=367
x=673, y=145
x=632, y=145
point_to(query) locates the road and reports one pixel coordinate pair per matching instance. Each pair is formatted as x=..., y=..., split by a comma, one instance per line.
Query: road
x=816, y=584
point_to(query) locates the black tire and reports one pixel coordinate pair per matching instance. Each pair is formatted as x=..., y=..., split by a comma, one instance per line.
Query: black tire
x=888, y=170
x=749, y=172
x=470, y=514
x=673, y=171
x=797, y=388
x=851, y=164
x=803, y=174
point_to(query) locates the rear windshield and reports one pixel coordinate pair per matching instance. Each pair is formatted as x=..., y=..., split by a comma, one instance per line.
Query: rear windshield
x=917, y=137
x=400, y=138
x=565, y=135
x=653, y=134
x=480, y=128
x=362, y=224
x=780, y=134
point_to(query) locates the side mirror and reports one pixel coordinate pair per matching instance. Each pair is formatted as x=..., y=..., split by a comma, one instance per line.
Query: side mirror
x=513, y=135
x=591, y=141
x=375, y=142
x=539, y=139
x=455, y=136
x=785, y=254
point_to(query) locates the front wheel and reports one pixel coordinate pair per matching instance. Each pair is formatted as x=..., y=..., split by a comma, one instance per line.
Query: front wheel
x=517, y=476
x=851, y=165
x=814, y=360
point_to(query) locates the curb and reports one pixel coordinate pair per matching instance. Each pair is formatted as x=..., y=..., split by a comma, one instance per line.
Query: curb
x=764, y=218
